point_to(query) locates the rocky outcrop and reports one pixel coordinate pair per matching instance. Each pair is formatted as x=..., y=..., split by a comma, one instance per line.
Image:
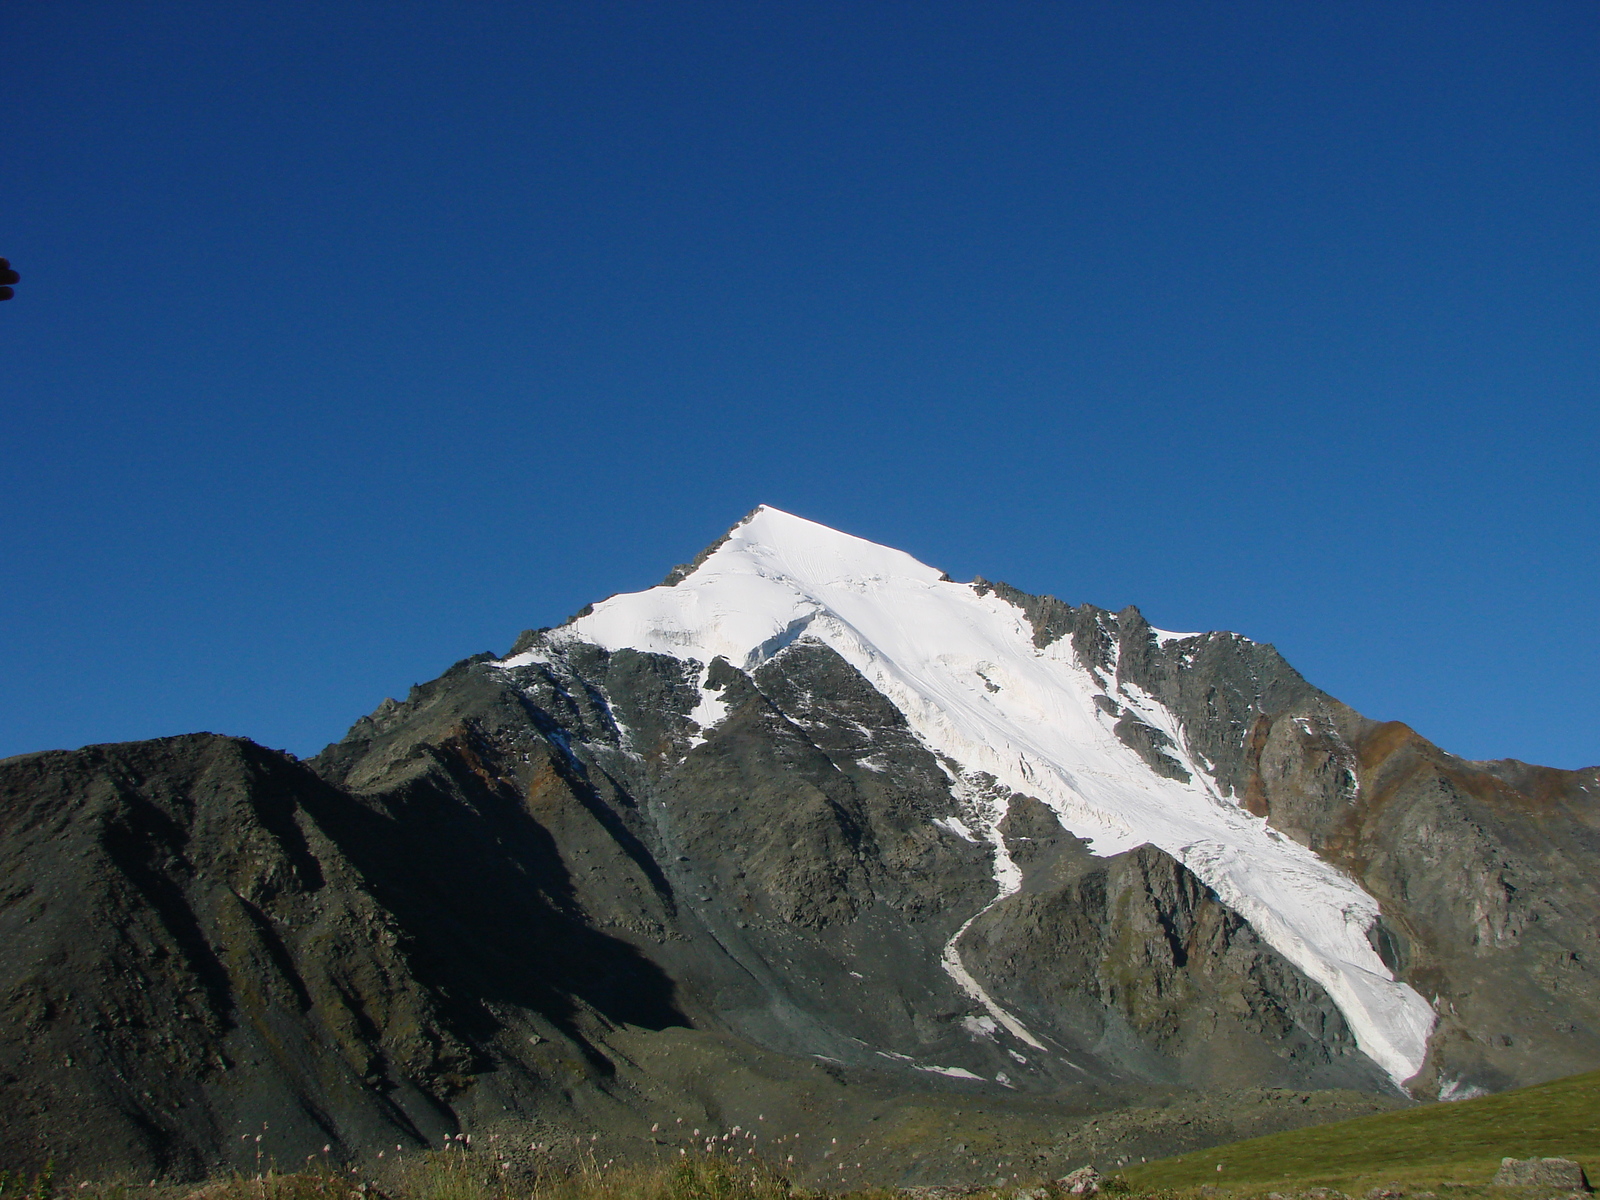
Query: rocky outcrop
x=1560, y=1174
x=1133, y=963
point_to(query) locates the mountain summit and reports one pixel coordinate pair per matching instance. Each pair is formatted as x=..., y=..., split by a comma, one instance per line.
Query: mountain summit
x=995, y=702
x=809, y=827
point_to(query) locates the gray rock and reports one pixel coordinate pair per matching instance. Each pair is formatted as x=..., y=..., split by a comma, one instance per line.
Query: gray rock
x=1560, y=1173
x=1085, y=1181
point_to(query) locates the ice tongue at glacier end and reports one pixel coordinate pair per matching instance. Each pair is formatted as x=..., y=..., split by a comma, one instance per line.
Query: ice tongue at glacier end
x=964, y=670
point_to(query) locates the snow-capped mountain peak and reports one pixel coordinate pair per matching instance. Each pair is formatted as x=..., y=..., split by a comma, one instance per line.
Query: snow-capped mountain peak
x=962, y=665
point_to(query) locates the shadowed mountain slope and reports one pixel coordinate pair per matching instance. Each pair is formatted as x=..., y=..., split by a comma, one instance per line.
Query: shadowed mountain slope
x=202, y=936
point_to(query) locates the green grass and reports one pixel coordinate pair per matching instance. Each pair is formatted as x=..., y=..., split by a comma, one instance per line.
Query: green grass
x=1459, y=1144
x=1428, y=1149
x=455, y=1176
x=17, y=1187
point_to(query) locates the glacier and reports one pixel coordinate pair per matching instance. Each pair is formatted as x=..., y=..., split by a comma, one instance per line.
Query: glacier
x=960, y=663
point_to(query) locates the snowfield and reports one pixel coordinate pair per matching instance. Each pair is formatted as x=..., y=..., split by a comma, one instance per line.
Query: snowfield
x=965, y=672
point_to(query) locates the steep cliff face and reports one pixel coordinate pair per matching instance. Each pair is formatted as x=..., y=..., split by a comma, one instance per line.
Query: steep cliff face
x=1486, y=875
x=1133, y=960
x=808, y=807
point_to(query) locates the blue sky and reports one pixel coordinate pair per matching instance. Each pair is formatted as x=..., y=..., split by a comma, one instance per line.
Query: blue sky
x=353, y=338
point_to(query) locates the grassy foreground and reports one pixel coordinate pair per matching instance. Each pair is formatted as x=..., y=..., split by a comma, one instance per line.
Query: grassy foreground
x=1458, y=1144
x=1454, y=1148
x=447, y=1176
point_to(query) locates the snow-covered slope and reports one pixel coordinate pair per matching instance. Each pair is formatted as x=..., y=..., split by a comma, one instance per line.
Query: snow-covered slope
x=963, y=668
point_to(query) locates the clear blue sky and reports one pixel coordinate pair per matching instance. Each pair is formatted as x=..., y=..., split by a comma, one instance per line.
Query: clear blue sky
x=353, y=338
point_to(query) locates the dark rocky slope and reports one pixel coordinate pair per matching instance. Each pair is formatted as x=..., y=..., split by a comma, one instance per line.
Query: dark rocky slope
x=203, y=937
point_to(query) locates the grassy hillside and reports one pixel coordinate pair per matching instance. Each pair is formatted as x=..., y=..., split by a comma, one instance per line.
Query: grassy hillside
x=1458, y=1143
x=1454, y=1148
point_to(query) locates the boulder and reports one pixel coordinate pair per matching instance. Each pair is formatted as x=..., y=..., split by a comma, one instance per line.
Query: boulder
x=1560, y=1173
x=1085, y=1181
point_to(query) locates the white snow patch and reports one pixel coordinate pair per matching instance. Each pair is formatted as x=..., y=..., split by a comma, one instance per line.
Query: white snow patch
x=1456, y=1089
x=950, y=960
x=526, y=659
x=1164, y=636
x=711, y=709
x=921, y=641
x=980, y=1027
x=987, y=810
x=953, y=1072
x=956, y=826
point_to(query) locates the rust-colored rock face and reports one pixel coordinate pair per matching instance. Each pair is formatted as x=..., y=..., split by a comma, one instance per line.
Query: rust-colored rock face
x=1485, y=872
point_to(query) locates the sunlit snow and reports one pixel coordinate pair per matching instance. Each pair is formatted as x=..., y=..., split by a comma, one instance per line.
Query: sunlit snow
x=963, y=669
x=1166, y=635
x=711, y=709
